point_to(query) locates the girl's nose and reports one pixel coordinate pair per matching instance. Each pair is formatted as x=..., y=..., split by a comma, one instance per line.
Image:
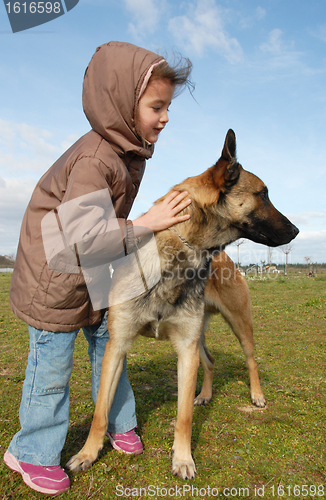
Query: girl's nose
x=164, y=117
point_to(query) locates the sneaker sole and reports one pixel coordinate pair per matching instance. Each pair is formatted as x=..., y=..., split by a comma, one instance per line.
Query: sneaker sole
x=120, y=450
x=14, y=465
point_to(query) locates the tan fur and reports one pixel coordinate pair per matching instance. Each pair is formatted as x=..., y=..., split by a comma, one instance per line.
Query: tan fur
x=227, y=292
x=227, y=203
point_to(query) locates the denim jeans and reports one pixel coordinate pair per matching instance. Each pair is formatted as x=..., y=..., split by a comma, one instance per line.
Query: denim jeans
x=44, y=408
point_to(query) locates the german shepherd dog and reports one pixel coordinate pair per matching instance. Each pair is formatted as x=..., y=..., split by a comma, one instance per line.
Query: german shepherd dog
x=227, y=203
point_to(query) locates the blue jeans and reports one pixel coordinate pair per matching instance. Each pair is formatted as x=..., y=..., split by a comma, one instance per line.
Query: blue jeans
x=44, y=408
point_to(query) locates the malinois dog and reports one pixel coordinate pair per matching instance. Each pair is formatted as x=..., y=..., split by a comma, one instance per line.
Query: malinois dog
x=227, y=203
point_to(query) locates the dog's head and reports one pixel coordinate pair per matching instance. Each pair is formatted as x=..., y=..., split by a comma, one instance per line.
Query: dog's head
x=238, y=201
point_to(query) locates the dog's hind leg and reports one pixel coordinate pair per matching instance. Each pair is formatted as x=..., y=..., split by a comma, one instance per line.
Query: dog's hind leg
x=207, y=362
x=242, y=328
x=112, y=365
x=188, y=361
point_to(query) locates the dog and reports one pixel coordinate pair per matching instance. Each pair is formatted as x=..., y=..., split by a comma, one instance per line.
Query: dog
x=227, y=293
x=228, y=203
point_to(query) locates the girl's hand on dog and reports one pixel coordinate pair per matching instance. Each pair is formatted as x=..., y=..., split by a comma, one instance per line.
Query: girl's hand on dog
x=164, y=214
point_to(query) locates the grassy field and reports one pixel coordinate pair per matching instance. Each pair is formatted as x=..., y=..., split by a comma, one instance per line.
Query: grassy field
x=240, y=451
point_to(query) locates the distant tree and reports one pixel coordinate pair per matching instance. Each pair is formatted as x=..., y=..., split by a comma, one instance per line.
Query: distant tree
x=7, y=261
x=308, y=263
x=237, y=244
x=286, y=249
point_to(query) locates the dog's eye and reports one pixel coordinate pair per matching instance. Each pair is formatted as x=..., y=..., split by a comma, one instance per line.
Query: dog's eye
x=264, y=194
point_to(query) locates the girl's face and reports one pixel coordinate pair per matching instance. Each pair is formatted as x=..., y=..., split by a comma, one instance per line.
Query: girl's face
x=152, y=113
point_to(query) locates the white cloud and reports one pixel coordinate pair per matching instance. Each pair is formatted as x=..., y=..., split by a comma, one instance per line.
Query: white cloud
x=14, y=197
x=275, y=44
x=26, y=152
x=68, y=141
x=320, y=32
x=29, y=151
x=282, y=53
x=260, y=13
x=314, y=236
x=25, y=136
x=310, y=244
x=145, y=15
x=202, y=27
x=308, y=218
x=249, y=21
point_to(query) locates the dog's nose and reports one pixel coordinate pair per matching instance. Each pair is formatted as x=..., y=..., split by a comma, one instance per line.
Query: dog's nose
x=293, y=231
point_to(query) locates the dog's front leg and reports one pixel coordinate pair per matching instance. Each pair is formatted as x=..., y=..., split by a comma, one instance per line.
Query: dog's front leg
x=112, y=365
x=188, y=361
x=207, y=361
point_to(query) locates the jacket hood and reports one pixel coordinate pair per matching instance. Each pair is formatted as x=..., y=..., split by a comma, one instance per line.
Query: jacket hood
x=114, y=78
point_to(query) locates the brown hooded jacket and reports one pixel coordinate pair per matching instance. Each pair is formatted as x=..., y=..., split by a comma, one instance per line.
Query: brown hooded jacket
x=110, y=157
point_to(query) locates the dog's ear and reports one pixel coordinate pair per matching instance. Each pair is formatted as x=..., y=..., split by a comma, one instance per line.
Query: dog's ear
x=231, y=174
x=227, y=169
x=230, y=147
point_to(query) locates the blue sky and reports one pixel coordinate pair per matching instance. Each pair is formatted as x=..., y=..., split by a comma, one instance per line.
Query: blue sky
x=259, y=68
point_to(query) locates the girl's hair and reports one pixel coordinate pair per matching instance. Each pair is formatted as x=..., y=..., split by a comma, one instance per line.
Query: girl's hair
x=177, y=73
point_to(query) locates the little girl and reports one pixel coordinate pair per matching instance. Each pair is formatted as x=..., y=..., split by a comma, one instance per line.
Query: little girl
x=126, y=94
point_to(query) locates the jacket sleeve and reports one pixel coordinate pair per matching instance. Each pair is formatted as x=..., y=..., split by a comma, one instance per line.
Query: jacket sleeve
x=84, y=230
x=84, y=234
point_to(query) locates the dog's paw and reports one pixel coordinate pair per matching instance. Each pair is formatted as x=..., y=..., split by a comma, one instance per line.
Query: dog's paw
x=258, y=400
x=185, y=469
x=81, y=461
x=201, y=401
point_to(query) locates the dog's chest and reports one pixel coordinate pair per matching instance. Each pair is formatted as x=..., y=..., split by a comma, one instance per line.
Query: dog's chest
x=170, y=304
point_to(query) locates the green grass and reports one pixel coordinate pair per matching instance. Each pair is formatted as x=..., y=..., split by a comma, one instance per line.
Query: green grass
x=234, y=444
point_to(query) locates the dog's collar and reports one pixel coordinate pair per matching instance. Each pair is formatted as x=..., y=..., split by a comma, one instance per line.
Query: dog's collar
x=185, y=242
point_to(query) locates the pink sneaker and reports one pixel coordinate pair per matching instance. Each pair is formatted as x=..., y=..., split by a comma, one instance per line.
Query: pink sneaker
x=128, y=442
x=49, y=480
